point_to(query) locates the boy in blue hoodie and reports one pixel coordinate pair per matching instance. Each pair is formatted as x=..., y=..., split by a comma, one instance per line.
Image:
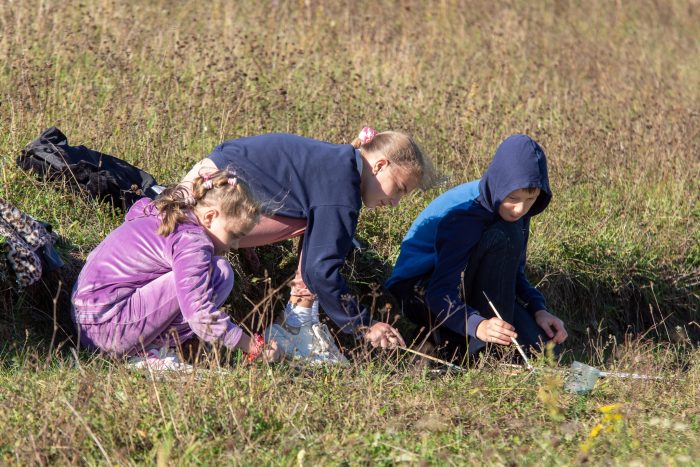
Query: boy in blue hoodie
x=473, y=239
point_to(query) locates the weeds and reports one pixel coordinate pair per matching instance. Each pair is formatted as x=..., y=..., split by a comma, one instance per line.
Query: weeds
x=609, y=90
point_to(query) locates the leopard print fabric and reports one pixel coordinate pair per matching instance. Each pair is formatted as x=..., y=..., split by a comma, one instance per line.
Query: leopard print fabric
x=23, y=236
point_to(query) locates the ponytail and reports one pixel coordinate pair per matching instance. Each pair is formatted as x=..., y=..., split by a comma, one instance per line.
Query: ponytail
x=174, y=205
x=222, y=189
x=365, y=136
x=399, y=149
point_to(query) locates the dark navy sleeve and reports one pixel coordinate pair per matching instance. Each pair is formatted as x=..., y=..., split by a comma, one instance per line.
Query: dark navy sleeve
x=327, y=241
x=523, y=289
x=457, y=235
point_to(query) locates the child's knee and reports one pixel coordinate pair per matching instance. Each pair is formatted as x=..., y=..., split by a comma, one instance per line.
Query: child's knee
x=502, y=234
x=222, y=277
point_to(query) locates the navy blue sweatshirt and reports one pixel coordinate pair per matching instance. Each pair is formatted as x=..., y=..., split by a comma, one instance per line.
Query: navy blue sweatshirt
x=303, y=178
x=441, y=239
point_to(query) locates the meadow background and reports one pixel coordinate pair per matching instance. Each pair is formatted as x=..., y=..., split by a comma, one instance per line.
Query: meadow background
x=610, y=89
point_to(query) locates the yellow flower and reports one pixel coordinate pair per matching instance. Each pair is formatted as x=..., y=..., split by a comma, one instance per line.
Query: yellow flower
x=610, y=408
x=612, y=417
x=611, y=421
x=594, y=432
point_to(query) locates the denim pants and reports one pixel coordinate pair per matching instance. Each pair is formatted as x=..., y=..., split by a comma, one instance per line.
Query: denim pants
x=151, y=317
x=492, y=268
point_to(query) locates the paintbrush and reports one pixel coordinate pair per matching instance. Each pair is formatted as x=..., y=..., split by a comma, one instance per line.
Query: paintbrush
x=430, y=357
x=515, y=341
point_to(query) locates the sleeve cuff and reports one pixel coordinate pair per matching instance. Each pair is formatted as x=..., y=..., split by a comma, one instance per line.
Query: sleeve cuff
x=535, y=306
x=232, y=336
x=348, y=323
x=473, y=322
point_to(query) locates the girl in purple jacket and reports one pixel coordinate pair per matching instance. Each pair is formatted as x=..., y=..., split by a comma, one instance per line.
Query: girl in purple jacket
x=156, y=281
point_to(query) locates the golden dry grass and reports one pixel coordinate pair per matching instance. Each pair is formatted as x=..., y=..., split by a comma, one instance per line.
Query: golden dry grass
x=610, y=89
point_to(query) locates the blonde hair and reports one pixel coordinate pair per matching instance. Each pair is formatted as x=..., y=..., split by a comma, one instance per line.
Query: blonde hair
x=400, y=149
x=221, y=189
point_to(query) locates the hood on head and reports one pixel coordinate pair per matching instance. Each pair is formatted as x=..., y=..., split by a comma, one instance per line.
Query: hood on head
x=519, y=162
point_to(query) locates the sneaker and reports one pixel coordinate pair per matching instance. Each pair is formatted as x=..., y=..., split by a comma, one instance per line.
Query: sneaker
x=163, y=359
x=312, y=343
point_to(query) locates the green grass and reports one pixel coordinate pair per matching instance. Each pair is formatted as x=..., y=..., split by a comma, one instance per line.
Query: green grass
x=610, y=90
x=383, y=412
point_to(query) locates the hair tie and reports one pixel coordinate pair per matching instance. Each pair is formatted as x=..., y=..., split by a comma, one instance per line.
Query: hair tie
x=232, y=181
x=206, y=181
x=366, y=135
x=255, y=352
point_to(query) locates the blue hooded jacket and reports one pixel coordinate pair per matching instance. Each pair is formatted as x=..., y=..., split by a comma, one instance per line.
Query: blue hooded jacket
x=307, y=179
x=441, y=239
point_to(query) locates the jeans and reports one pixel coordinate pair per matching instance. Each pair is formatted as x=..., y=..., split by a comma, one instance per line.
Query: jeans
x=492, y=268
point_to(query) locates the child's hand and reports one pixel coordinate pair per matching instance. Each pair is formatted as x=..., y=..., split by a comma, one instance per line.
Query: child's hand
x=496, y=331
x=384, y=335
x=255, y=347
x=272, y=353
x=553, y=326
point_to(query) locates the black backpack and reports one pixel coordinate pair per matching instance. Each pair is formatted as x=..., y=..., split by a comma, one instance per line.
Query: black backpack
x=104, y=177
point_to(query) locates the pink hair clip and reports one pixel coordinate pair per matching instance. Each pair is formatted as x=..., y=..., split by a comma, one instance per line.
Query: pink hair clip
x=366, y=135
x=207, y=183
x=232, y=181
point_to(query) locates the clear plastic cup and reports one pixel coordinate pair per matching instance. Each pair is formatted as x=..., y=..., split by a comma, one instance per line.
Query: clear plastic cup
x=582, y=378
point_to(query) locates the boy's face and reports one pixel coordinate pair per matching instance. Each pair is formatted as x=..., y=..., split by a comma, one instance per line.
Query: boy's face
x=517, y=204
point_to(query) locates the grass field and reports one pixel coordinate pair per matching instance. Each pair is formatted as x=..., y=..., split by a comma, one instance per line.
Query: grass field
x=610, y=89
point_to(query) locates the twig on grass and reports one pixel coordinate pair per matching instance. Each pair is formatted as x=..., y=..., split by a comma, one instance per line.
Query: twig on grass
x=434, y=359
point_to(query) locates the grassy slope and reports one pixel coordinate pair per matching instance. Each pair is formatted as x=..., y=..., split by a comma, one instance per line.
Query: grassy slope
x=373, y=413
x=611, y=91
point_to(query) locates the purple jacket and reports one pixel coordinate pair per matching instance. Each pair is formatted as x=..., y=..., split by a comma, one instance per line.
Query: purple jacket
x=133, y=255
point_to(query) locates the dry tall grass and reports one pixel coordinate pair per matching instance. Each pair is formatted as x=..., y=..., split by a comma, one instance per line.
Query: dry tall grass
x=610, y=89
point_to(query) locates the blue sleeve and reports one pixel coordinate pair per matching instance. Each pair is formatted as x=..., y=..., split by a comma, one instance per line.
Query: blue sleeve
x=457, y=235
x=523, y=289
x=327, y=241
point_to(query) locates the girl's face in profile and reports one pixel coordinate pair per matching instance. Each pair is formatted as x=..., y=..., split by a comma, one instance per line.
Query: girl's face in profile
x=386, y=185
x=224, y=232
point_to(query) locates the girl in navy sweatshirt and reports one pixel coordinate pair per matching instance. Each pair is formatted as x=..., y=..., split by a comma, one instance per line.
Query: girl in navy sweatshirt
x=316, y=189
